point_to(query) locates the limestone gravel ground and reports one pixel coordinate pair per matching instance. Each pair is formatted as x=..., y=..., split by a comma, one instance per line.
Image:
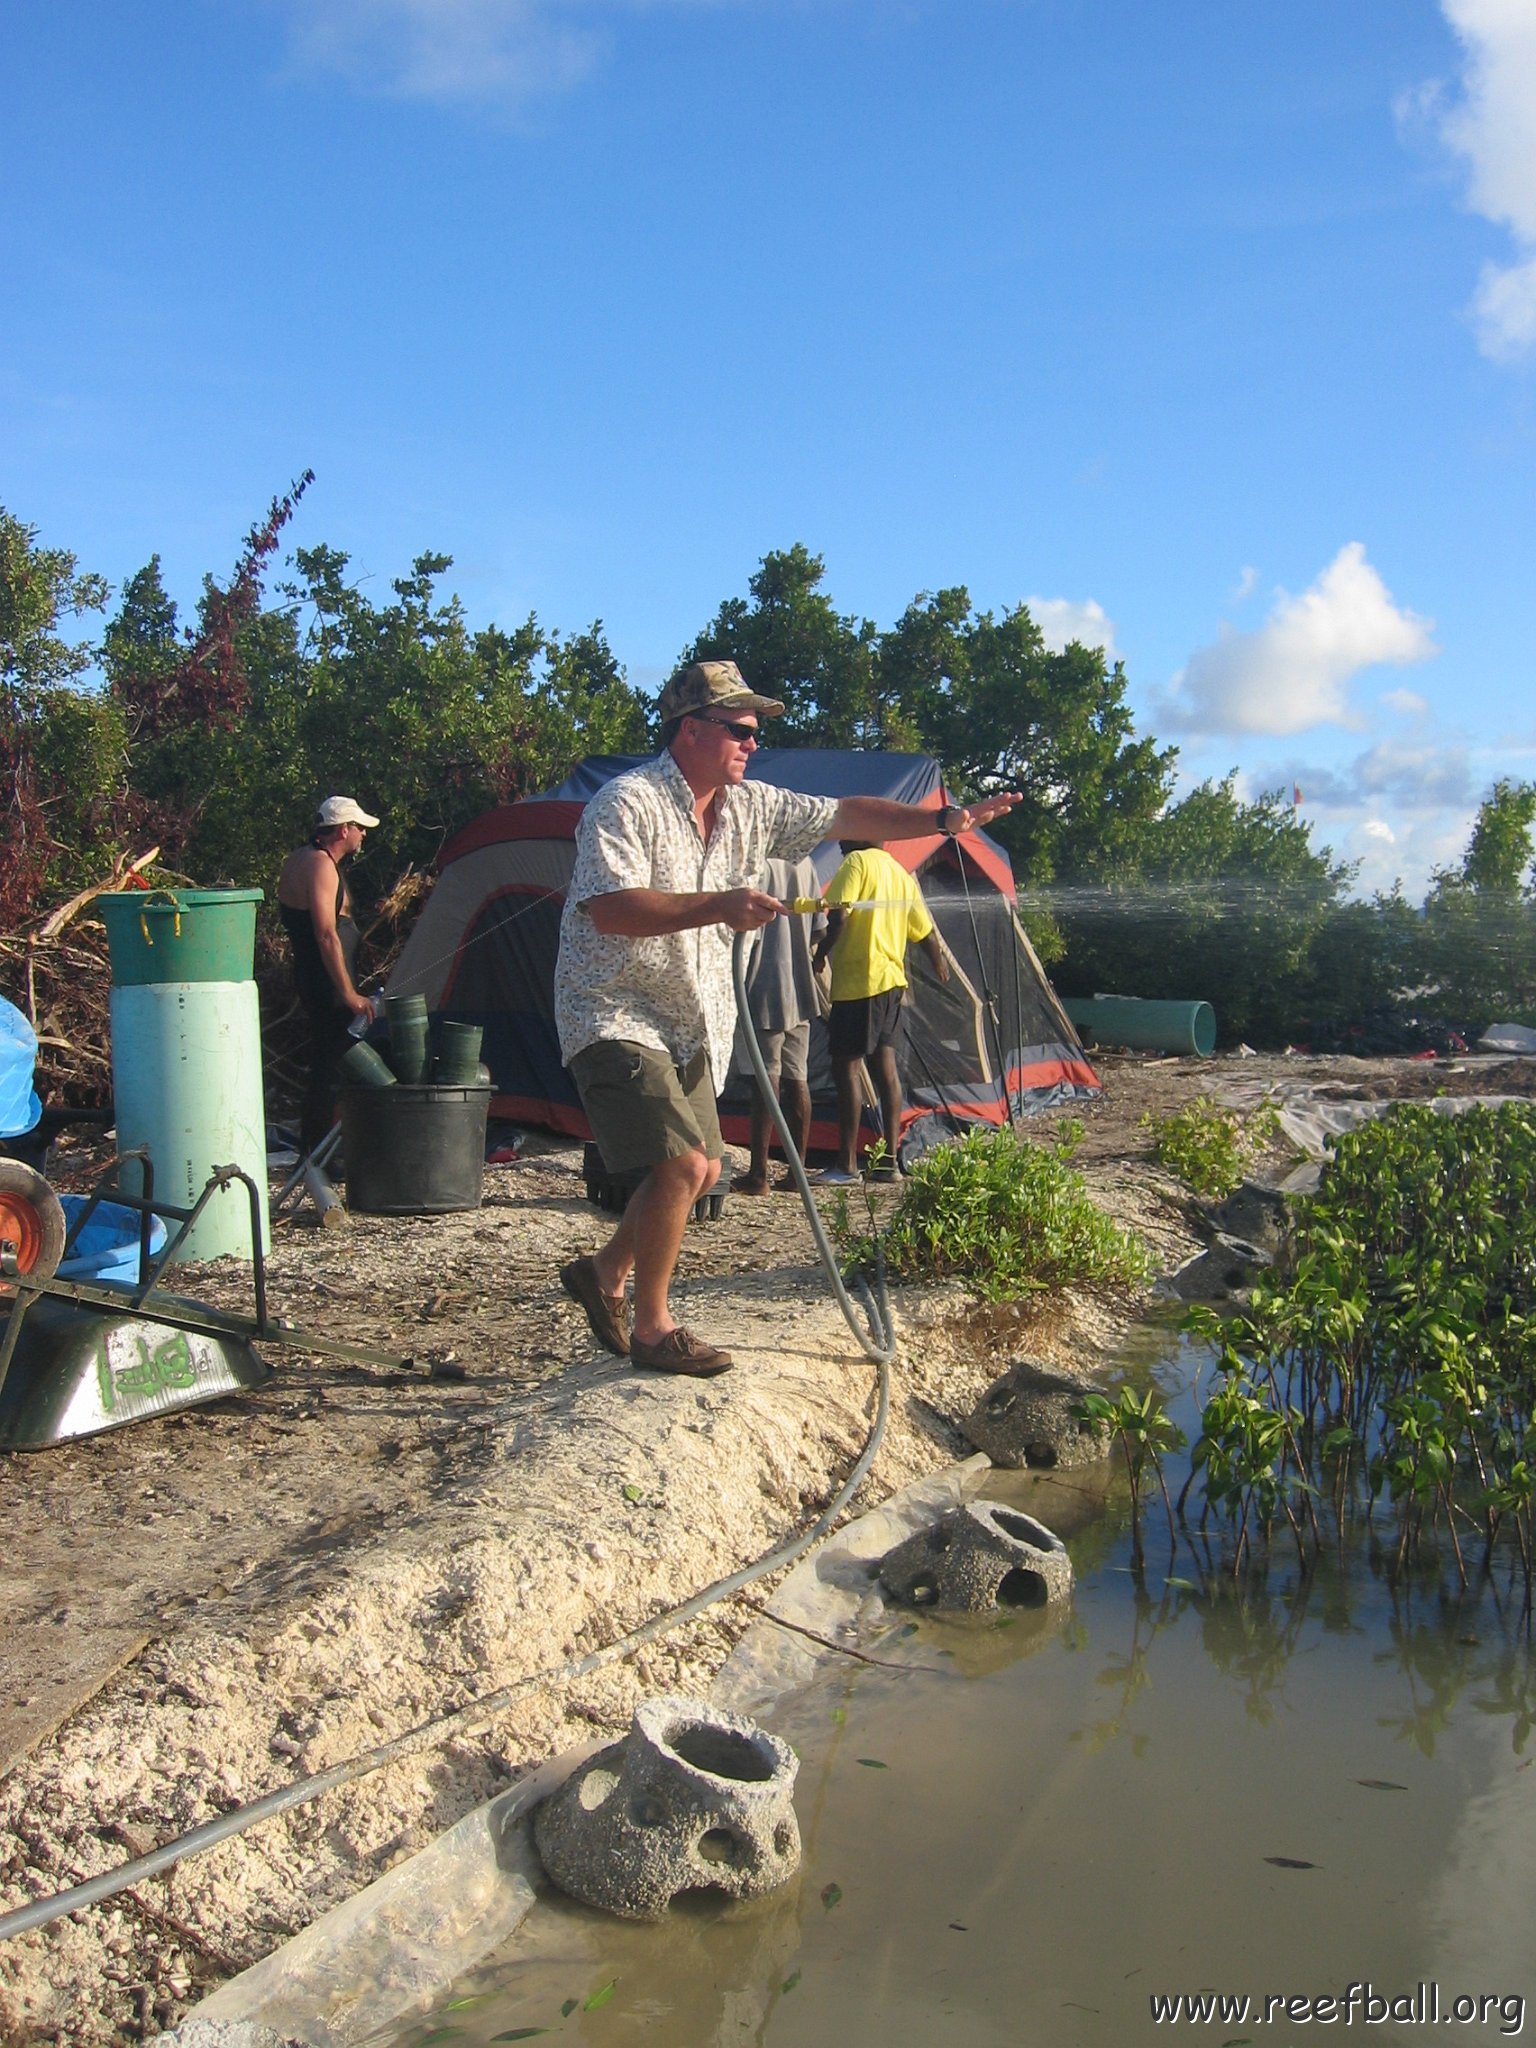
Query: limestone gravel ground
x=201, y=1608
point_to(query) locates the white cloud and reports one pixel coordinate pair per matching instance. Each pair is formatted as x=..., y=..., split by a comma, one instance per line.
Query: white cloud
x=1406, y=703
x=1493, y=128
x=1064, y=619
x=1291, y=673
x=453, y=50
x=1387, y=776
x=1406, y=851
x=1422, y=778
x=1505, y=306
x=1247, y=583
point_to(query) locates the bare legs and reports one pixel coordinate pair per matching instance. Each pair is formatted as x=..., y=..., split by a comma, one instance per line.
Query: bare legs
x=795, y=1102
x=850, y=1100
x=882, y=1062
x=650, y=1236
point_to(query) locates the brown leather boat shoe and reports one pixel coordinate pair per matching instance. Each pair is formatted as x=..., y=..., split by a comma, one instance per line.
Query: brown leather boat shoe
x=680, y=1351
x=607, y=1313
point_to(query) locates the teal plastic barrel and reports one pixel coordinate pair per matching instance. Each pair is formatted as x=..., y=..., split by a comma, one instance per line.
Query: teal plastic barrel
x=186, y=1052
x=186, y=1085
x=1144, y=1024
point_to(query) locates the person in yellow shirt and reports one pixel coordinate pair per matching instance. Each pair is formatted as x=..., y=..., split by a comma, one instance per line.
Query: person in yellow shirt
x=868, y=943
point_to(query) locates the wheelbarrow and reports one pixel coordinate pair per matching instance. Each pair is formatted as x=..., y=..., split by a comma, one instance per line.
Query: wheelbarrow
x=78, y=1356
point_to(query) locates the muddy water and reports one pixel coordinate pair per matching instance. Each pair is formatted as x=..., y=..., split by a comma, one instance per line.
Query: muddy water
x=1033, y=1829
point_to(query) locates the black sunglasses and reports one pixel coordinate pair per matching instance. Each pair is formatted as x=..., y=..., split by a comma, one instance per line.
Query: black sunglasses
x=736, y=727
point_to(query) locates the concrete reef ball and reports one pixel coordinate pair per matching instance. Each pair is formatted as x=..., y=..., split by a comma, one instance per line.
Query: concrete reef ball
x=977, y=1558
x=1224, y=1272
x=693, y=1798
x=1028, y=1417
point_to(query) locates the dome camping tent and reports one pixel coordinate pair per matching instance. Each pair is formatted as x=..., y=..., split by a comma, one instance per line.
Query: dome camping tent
x=989, y=1047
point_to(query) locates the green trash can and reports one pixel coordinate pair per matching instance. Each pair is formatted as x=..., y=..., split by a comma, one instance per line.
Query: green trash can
x=157, y=935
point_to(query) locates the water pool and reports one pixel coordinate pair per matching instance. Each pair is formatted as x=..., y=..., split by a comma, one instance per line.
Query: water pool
x=1033, y=1830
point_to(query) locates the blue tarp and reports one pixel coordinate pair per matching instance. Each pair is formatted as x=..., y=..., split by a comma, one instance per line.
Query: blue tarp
x=19, y=1106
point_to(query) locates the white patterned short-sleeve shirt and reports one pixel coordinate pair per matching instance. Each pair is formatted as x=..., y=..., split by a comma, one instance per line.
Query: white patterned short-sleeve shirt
x=673, y=992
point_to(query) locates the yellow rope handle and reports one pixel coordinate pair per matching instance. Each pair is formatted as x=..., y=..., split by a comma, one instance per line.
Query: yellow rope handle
x=172, y=899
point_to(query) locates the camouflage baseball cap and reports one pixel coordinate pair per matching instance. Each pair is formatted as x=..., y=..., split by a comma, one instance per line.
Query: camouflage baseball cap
x=713, y=686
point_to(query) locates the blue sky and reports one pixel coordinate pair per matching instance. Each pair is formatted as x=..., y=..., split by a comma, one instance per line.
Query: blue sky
x=1209, y=329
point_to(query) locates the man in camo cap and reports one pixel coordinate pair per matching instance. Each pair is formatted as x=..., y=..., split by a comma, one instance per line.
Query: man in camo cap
x=666, y=858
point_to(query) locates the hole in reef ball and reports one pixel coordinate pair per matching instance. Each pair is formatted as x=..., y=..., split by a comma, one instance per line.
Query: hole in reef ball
x=720, y=1751
x=719, y=1845
x=1020, y=1588
x=1000, y=1400
x=594, y=1789
x=1040, y=1454
x=1023, y=1528
x=647, y=1811
x=924, y=1592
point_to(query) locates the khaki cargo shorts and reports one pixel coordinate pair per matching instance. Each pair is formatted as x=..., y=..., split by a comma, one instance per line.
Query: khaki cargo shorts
x=643, y=1107
x=786, y=1054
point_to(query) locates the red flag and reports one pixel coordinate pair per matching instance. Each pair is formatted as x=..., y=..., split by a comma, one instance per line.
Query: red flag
x=1295, y=793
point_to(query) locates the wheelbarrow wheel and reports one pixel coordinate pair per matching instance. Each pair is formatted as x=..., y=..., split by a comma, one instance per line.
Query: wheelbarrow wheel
x=31, y=1219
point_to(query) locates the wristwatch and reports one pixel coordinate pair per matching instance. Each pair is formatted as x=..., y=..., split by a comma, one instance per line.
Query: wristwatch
x=950, y=818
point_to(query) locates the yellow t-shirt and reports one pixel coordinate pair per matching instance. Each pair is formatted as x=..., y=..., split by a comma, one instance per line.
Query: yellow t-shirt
x=871, y=951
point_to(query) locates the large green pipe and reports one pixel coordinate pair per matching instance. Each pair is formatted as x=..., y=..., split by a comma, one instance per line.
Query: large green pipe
x=1146, y=1026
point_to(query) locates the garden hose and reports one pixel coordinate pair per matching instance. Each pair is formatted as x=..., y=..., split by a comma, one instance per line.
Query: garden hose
x=879, y=1347
x=878, y=1342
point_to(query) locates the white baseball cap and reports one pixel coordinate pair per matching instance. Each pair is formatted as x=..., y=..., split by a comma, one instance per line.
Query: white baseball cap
x=343, y=810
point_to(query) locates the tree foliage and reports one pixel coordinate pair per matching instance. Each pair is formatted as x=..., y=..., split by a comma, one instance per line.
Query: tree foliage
x=982, y=693
x=1479, y=948
x=214, y=739
x=1220, y=900
x=399, y=703
x=791, y=642
x=54, y=754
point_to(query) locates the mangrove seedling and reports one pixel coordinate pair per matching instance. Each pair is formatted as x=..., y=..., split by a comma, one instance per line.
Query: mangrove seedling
x=1144, y=1430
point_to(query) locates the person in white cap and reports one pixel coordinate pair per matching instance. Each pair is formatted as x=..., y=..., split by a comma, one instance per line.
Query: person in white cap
x=316, y=909
x=667, y=858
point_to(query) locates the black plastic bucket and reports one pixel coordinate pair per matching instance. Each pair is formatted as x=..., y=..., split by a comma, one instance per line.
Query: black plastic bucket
x=414, y=1151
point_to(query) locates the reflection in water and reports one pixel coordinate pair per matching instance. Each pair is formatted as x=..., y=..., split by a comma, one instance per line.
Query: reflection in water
x=1269, y=1785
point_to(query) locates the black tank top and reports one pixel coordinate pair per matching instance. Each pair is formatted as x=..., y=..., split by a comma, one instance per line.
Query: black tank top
x=314, y=985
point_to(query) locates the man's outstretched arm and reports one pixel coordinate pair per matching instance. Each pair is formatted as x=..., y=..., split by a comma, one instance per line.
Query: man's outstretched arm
x=877, y=818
